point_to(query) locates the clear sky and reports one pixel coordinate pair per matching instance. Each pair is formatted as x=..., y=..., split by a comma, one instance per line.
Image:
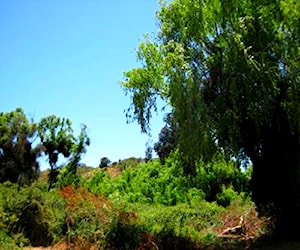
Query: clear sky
x=66, y=57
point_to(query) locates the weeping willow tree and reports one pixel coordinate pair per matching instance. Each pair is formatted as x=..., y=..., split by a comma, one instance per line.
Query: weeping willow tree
x=230, y=70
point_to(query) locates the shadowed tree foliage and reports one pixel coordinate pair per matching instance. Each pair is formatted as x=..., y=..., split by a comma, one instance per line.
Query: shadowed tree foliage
x=230, y=71
x=148, y=153
x=18, y=157
x=104, y=162
x=167, y=139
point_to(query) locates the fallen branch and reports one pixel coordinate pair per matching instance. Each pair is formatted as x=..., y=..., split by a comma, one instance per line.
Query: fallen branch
x=236, y=231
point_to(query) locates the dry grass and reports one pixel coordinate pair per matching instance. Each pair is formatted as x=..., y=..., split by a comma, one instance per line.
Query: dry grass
x=113, y=171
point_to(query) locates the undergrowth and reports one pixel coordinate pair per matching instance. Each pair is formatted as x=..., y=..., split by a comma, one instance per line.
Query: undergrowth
x=30, y=215
x=148, y=206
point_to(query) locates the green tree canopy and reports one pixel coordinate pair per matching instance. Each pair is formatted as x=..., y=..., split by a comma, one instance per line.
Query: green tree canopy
x=18, y=157
x=230, y=70
x=57, y=137
x=79, y=148
x=22, y=141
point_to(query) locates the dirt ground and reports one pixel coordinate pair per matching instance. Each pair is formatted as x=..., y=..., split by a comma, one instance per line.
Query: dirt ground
x=59, y=246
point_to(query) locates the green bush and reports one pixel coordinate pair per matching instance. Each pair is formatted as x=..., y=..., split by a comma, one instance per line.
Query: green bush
x=147, y=182
x=67, y=177
x=30, y=216
x=86, y=225
x=212, y=177
x=226, y=196
x=6, y=242
x=180, y=224
x=166, y=184
x=124, y=232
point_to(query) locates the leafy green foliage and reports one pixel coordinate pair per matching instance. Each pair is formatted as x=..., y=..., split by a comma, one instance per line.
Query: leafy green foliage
x=226, y=196
x=145, y=183
x=67, y=178
x=85, y=218
x=57, y=137
x=6, y=241
x=183, y=219
x=166, y=184
x=180, y=226
x=212, y=178
x=30, y=215
x=79, y=149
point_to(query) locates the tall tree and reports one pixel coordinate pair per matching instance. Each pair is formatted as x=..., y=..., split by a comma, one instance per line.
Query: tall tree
x=18, y=157
x=57, y=138
x=56, y=135
x=79, y=149
x=230, y=70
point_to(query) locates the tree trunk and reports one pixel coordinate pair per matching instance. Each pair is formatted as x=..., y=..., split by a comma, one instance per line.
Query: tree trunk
x=276, y=182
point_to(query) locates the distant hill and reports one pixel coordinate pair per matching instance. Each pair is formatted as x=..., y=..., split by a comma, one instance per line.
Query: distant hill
x=114, y=169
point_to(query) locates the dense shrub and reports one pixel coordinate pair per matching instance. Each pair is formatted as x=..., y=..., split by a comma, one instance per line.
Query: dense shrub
x=29, y=215
x=166, y=184
x=212, y=177
x=6, y=241
x=67, y=177
x=226, y=196
x=124, y=231
x=148, y=183
x=148, y=206
x=176, y=227
x=88, y=217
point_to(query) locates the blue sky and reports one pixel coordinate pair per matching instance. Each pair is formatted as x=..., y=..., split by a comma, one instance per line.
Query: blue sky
x=66, y=57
